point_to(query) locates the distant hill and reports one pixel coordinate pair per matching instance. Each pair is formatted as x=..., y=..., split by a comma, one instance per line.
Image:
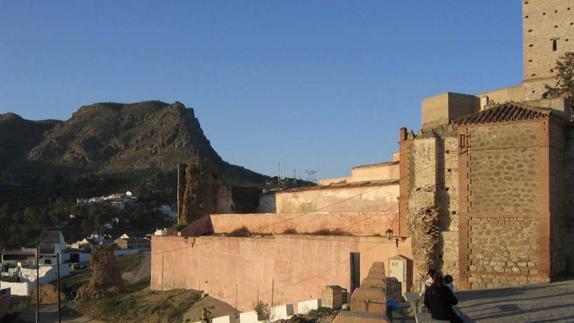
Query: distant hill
x=17, y=137
x=107, y=139
x=112, y=137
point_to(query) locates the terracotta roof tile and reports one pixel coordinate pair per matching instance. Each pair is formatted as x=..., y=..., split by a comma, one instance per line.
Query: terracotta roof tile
x=502, y=113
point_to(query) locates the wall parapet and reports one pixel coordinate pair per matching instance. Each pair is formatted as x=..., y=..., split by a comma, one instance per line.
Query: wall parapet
x=351, y=223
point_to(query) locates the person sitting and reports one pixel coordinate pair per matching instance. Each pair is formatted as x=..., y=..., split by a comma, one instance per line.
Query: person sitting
x=428, y=282
x=440, y=300
x=448, y=282
x=425, y=286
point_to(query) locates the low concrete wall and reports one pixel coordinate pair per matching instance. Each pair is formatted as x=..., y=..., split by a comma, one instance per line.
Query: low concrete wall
x=48, y=273
x=19, y=289
x=380, y=172
x=365, y=224
x=367, y=198
x=241, y=271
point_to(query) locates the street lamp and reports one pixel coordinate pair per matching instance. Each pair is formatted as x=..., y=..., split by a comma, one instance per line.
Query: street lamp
x=390, y=236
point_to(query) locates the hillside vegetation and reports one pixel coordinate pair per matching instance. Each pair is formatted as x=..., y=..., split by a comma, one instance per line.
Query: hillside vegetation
x=102, y=149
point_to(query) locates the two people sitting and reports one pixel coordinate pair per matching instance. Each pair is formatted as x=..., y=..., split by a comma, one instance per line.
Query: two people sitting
x=439, y=298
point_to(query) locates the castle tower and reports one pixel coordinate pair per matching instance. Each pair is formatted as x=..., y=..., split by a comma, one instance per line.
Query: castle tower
x=548, y=29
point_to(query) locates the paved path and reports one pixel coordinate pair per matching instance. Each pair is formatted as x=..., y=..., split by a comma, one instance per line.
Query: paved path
x=534, y=303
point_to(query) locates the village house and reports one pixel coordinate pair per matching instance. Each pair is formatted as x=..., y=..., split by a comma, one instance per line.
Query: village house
x=19, y=267
x=117, y=200
x=479, y=192
x=126, y=242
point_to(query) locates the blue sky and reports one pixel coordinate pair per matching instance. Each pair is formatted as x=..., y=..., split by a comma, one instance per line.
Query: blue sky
x=321, y=85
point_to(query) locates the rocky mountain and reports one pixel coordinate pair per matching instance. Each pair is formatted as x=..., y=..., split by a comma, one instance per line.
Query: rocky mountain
x=17, y=137
x=111, y=138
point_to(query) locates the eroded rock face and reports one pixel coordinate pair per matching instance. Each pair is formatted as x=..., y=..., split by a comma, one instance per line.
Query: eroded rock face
x=106, y=278
x=199, y=194
x=425, y=227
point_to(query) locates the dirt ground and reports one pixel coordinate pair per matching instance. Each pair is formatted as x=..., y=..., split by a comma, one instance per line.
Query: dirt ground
x=215, y=306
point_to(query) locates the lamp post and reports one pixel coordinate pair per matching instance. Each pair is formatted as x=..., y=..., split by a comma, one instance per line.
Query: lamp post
x=390, y=236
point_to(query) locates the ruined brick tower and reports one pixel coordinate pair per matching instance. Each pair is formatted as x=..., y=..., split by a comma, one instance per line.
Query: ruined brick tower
x=548, y=28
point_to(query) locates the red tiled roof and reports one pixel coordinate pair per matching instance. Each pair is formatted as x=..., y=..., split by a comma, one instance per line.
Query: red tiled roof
x=502, y=113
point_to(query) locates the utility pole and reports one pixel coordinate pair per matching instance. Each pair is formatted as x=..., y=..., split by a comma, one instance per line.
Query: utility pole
x=279, y=168
x=38, y=283
x=58, y=288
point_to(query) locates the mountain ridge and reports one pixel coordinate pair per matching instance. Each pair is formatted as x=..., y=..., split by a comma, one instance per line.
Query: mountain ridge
x=108, y=138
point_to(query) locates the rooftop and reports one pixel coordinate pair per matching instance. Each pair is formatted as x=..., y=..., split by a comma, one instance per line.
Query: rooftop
x=503, y=113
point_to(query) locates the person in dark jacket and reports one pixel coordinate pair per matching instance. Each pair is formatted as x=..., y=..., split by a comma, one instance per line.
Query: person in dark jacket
x=440, y=300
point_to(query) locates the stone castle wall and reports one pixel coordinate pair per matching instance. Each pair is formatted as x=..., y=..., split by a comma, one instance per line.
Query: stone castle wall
x=508, y=204
x=558, y=209
x=548, y=29
x=431, y=162
x=283, y=269
x=448, y=200
x=569, y=197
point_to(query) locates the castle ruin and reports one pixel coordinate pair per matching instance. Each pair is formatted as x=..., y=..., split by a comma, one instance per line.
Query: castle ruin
x=481, y=192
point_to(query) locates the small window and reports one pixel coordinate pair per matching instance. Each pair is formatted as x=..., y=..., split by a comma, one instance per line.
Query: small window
x=554, y=45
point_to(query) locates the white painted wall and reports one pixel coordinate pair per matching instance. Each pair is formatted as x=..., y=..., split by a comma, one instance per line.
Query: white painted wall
x=19, y=289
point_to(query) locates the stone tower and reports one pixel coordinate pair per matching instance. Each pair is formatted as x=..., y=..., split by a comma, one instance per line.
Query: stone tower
x=548, y=34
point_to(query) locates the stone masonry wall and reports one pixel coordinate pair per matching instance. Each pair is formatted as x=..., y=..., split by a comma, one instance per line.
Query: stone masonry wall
x=558, y=211
x=569, y=196
x=508, y=204
x=433, y=184
x=503, y=246
x=504, y=169
x=448, y=204
x=548, y=34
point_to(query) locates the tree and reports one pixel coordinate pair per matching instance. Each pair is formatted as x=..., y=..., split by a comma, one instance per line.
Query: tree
x=564, y=78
